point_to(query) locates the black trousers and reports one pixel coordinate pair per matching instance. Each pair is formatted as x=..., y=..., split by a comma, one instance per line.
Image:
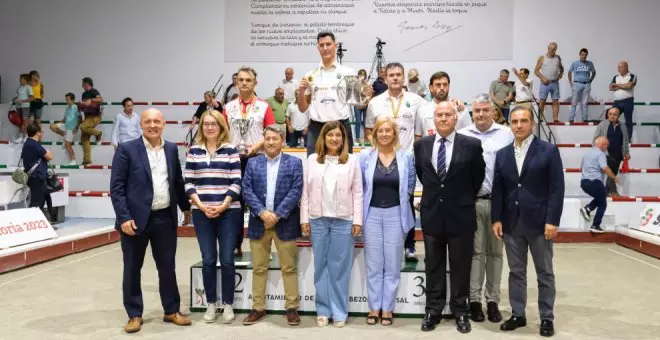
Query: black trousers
x=613, y=162
x=314, y=129
x=460, y=263
x=39, y=195
x=161, y=233
x=410, y=238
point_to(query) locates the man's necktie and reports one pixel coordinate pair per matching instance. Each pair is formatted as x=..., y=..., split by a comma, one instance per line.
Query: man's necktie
x=442, y=170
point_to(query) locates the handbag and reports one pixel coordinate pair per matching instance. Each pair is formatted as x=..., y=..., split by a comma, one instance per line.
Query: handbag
x=53, y=183
x=19, y=176
x=14, y=116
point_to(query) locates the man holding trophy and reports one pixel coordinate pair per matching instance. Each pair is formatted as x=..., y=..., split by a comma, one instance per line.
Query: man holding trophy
x=328, y=92
x=247, y=116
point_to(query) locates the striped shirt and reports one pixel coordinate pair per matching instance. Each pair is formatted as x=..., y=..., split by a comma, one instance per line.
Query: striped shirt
x=213, y=176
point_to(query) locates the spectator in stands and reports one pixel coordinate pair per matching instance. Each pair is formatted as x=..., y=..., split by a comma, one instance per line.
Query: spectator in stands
x=550, y=70
x=35, y=161
x=501, y=93
x=388, y=187
x=296, y=124
x=209, y=103
x=594, y=164
x=415, y=85
x=379, y=85
x=580, y=75
x=331, y=211
x=36, y=105
x=289, y=85
x=618, y=144
x=24, y=95
x=272, y=187
x=524, y=87
x=90, y=106
x=278, y=105
x=213, y=183
x=126, y=124
x=232, y=90
x=68, y=126
x=623, y=85
x=359, y=111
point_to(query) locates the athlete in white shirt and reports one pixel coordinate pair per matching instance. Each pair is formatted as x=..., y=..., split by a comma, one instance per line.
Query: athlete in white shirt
x=439, y=87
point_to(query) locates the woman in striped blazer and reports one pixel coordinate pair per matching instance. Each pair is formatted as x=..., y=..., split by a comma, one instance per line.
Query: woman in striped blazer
x=213, y=183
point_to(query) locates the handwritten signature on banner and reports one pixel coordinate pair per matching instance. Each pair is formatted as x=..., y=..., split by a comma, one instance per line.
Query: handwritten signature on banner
x=441, y=28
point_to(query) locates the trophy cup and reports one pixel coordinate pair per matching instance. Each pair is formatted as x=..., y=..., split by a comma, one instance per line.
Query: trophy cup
x=352, y=91
x=243, y=127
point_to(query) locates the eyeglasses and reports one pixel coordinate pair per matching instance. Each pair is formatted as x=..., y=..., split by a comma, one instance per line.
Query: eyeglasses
x=211, y=125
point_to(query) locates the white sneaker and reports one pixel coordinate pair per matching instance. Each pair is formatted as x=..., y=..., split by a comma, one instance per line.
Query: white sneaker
x=586, y=214
x=211, y=313
x=73, y=162
x=340, y=324
x=322, y=321
x=227, y=314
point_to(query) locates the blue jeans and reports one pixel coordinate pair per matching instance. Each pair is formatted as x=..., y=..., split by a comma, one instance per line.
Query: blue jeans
x=211, y=233
x=580, y=98
x=595, y=189
x=627, y=106
x=552, y=89
x=383, y=238
x=332, y=246
x=359, y=117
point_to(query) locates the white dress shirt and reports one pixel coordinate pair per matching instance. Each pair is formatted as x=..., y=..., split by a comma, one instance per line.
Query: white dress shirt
x=521, y=152
x=290, y=87
x=159, y=176
x=492, y=140
x=449, y=148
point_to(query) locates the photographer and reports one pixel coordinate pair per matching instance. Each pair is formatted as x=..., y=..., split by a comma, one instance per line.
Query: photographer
x=35, y=160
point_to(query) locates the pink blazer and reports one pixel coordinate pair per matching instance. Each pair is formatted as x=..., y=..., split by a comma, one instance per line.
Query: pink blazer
x=349, y=191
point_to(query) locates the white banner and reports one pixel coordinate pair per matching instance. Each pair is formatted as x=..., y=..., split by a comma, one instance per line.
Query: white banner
x=439, y=30
x=411, y=297
x=649, y=220
x=21, y=226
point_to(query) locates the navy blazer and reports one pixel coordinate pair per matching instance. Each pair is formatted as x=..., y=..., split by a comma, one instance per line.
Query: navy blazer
x=536, y=197
x=288, y=190
x=131, y=187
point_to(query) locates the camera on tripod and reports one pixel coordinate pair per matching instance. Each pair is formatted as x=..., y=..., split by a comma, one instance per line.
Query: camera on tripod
x=379, y=44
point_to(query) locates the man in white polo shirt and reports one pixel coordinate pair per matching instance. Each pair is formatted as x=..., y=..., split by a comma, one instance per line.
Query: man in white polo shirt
x=404, y=106
x=623, y=85
x=289, y=85
x=487, y=258
x=318, y=92
x=439, y=87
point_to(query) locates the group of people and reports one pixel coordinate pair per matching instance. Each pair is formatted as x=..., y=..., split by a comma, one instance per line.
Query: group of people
x=487, y=187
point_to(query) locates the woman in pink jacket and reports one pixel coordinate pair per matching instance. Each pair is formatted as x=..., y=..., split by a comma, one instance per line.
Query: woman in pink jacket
x=332, y=203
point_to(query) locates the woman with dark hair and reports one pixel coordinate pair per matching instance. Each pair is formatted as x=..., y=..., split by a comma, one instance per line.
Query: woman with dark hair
x=35, y=161
x=331, y=211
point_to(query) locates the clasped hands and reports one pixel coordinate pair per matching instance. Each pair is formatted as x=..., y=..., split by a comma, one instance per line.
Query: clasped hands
x=269, y=218
x=214, y=210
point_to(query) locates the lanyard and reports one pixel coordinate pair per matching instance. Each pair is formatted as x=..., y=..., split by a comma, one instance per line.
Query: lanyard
x=395, y=112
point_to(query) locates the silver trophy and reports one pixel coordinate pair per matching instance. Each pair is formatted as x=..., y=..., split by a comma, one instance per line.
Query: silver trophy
x=351, y=90
x=243, y=127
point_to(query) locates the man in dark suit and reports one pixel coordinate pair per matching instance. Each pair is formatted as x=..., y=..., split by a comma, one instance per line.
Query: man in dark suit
x=527, y=202
x=272, y=186
x=146, y=186
x=451, y=168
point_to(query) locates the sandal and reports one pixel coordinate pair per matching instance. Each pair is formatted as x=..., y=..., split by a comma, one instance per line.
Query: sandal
x=387, y=321
x=372, y=320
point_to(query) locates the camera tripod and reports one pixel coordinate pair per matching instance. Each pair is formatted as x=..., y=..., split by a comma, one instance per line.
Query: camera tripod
x=340, y=52
x=379, y=60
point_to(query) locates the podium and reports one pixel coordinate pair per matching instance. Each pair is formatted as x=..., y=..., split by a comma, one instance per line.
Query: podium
x=411, y=297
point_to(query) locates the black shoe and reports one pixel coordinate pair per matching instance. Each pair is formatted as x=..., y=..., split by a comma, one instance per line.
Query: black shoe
x=596, y=230
x=547, y=328
x=463, y=324
x=493, y=312
x=429, y=322
x=476, y=313
x=513, y=323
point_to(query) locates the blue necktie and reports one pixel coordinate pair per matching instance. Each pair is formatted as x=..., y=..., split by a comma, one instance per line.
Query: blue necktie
x=442, y=170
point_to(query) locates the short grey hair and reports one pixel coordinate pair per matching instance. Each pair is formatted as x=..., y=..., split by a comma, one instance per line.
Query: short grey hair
x=277, y=128
x=483, y=98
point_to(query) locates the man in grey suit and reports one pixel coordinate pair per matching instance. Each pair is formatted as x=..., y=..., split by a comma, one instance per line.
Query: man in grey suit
x=527, y=202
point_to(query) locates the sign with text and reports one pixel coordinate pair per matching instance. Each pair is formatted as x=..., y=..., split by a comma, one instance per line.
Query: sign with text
x=440, y=30
x=411, y=297
x=649, y=220
x=22, y=226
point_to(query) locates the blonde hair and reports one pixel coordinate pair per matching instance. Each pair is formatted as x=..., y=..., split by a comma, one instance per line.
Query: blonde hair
x=322, y=150
x=380, y=121
x=224, y=136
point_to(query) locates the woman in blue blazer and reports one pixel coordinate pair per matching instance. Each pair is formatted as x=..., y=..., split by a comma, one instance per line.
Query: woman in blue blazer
x=388, y=180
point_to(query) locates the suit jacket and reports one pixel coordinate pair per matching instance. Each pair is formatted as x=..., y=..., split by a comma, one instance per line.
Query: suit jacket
x=131, y=186
x=448, y=207
x=288, y=190
x=536, y=196
x=406, y=166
